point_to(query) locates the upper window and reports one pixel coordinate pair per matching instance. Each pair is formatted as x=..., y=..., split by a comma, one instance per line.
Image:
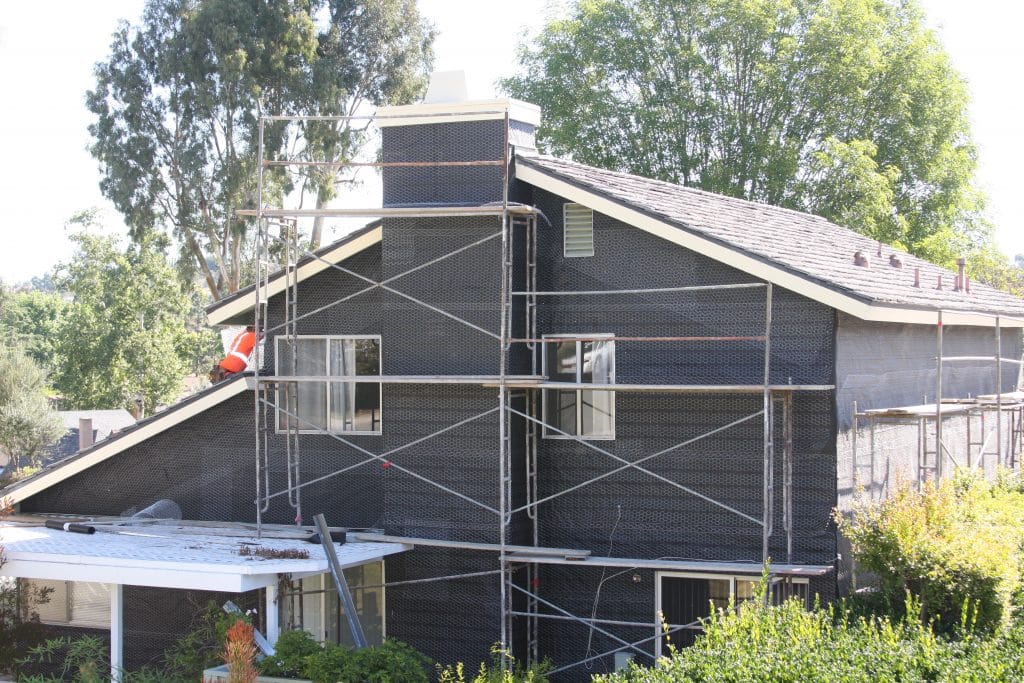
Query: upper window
x=580, y=412
x=578, y=223
x=336, y=407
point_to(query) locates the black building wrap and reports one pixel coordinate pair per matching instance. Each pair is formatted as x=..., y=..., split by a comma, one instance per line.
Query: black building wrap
x=206, y=464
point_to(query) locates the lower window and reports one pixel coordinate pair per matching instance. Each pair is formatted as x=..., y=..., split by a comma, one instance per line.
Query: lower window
x=686, y=600
x=68, y=603
x=312, y=604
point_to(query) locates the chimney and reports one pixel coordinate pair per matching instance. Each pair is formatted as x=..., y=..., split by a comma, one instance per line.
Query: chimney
x=84, y=433
x=446, y=128
x=961, y=281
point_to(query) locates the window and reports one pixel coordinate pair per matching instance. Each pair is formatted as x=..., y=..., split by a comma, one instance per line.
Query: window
x=72, y=603
x=580, y=412
x=578, y=234
x=336, y=407
x=312, y=604
x=687, y=599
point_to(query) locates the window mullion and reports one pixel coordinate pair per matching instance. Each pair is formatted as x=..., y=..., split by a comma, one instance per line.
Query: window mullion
x=579, y=392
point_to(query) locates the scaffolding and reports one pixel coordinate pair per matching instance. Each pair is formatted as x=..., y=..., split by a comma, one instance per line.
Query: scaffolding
x=933, y=452
x=276, y=400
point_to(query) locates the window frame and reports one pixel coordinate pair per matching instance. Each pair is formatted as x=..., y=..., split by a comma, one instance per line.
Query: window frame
x=659, y=576
x=68, y=604
x=327, y=381
x=545, y=433
x=326, y=584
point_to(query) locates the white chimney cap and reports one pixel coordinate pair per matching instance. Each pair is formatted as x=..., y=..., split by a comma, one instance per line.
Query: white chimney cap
x=446, y=87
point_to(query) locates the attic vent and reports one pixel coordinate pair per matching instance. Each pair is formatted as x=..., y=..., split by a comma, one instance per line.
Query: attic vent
x=579, y=230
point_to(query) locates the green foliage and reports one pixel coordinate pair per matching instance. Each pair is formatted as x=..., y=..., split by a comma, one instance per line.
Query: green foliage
x=298, y=655
x=290, y=653
x=845, y=108
x=124, y=340
x=81, y=660
x=950, y=545
x=32, y=320
x=27, y=422
x=503, y=668
x=177, y=101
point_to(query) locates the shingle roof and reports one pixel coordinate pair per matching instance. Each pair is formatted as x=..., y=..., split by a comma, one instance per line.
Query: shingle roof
x=806, y=245
x=103, y=423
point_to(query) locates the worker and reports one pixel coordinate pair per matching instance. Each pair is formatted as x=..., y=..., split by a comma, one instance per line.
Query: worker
x=237, y=359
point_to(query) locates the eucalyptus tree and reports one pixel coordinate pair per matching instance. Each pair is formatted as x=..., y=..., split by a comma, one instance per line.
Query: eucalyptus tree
x=845, y=108
x=177, y=103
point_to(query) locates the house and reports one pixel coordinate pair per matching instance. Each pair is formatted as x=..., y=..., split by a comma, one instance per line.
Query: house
x=565, y=399
x=84, y=428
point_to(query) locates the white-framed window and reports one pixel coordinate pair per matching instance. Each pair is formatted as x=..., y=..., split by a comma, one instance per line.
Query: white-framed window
x=686, y=599
x=312, y=604
x=577, y=230
x=349, y=407
x=580, y=412
x=70, y=603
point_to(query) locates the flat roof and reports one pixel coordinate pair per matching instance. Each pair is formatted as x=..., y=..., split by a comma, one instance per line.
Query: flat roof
x=169, y=556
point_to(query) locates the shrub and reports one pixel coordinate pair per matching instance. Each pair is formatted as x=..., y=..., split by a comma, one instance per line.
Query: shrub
x=503, y=668
x=298, y=655
x=953, y=546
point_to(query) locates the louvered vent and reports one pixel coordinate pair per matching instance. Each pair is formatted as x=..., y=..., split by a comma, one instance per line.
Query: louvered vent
x=579, y=230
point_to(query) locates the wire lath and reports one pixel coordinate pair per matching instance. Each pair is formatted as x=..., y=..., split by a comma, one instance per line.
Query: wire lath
x=506, y=505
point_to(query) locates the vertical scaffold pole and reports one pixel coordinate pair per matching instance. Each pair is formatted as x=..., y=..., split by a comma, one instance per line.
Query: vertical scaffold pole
x=999, y=393
x=504, y=475
x=938, y=401
x=261, y=240
x=769, y=469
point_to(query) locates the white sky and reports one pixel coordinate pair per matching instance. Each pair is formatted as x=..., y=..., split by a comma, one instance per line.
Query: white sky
x=47, y=53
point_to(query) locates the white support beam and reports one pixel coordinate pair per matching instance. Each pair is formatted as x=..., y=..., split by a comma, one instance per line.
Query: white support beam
x=273, y=626
x=116, y=632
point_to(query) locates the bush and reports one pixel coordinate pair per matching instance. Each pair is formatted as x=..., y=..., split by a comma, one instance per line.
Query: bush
x=297, y=655
x=502, y=669
x=953, y=546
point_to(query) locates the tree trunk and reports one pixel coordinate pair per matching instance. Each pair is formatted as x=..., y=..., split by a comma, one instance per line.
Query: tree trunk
x=193, y=246
x=318, y=226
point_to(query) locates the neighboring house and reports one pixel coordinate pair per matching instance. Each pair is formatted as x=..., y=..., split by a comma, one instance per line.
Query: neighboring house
x=100, y=423
x=635, y=466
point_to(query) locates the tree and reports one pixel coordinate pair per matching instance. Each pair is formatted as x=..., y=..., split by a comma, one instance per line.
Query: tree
x=177, y=102
x=124, y=341
x=27, y=422
x=845, y=108
x=32, y=319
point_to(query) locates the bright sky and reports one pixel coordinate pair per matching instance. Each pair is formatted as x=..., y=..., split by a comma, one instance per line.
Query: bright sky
x=46, y=66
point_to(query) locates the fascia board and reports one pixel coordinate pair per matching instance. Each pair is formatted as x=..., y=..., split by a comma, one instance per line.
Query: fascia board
x=193, y=579
x=218, y=316
x=137, y=436
x=452, y=112
x=756, y=267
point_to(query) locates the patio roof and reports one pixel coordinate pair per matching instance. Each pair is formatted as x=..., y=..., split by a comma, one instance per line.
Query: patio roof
x=169, y=556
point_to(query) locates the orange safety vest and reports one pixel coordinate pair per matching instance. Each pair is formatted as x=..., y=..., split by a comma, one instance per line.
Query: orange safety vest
x=238, y=355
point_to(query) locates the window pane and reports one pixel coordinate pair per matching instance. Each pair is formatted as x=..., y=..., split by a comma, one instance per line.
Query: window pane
x=718, y=592
x=561, y=409
x=366, y=417
x=598, y=362
x=598, y=413
x=343, y=358
x=90, y=604
x=312, y=397
x=561, y=365
x=342, y=404
x=367, y=356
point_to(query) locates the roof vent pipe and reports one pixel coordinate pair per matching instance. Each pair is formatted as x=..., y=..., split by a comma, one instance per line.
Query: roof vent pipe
x=895, y=260
x=961, y=264
x=938, y=285
x=861, y=259
x=917, y=277
x=84, y=433
x=879, y=248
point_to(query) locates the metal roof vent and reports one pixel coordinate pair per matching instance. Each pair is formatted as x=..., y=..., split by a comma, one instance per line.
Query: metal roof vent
x=861, y=259
x=895, y=260
x=578, y=238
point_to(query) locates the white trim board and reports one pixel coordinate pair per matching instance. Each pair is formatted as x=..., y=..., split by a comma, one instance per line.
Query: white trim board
x=107, y=449
x=739, y=259
x=458, y=112
x=220, y=315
